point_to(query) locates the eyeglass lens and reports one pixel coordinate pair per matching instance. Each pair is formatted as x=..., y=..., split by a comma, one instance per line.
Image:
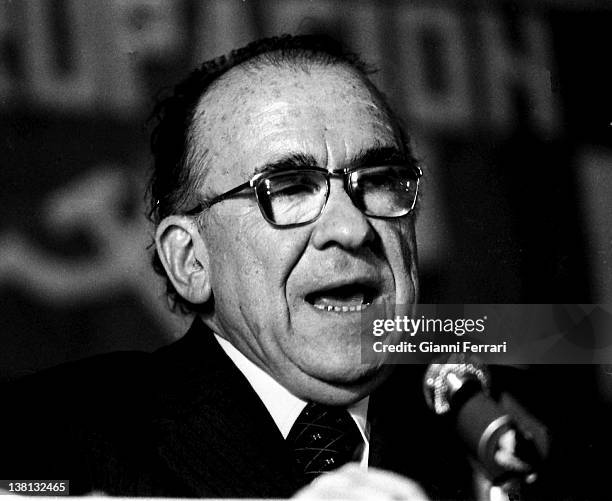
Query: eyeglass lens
x=386, y=191
x=298, y=197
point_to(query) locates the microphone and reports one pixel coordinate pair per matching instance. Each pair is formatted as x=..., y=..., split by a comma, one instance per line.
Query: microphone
x=460, y=390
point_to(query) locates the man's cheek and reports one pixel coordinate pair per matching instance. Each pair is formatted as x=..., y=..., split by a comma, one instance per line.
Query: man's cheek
x=396, y=240
x=404, y=242
x=400, y=252
x=280, y=255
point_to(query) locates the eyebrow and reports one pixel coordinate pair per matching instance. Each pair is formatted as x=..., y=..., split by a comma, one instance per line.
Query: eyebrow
x=379, y=155
x=368, y=157
x=289, y=162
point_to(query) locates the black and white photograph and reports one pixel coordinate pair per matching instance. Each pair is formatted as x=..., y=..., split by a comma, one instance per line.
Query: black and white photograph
x=312, y=249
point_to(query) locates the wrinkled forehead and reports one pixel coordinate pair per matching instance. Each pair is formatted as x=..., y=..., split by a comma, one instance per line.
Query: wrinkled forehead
x=253, y=117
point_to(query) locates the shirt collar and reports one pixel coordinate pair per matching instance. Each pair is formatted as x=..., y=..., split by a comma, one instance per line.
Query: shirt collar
x=283, y=406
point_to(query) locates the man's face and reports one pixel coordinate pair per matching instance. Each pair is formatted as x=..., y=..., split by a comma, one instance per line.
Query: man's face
x=272, y=287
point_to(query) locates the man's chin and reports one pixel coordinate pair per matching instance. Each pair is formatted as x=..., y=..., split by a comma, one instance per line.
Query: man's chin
x=351, y=376
x=342, y=386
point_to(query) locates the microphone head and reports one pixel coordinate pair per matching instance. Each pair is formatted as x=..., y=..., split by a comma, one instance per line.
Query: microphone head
x=444, y=379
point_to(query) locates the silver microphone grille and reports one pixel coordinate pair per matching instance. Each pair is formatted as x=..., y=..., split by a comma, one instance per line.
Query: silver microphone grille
x=443, y=380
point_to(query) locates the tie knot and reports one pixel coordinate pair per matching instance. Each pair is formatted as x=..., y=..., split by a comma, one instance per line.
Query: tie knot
x=324, y=438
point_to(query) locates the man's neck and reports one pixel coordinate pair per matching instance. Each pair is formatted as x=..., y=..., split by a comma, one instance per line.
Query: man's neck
x=283, y=406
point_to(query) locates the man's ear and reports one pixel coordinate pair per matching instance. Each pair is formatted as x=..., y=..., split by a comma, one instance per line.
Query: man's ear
x=184, y=255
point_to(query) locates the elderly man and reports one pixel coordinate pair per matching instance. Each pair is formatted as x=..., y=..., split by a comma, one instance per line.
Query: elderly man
x=283, y=194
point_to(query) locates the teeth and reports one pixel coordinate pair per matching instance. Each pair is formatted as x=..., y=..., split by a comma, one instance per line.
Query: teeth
x=343, y=309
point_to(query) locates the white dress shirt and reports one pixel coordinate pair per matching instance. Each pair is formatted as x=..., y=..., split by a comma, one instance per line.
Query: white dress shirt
x=283, y=406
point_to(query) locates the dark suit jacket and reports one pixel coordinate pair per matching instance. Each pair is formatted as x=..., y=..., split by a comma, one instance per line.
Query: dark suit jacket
x=184, y=421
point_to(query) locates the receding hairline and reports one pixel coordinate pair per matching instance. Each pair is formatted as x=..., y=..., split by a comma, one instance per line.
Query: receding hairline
x=197, y=152
x=260, y=65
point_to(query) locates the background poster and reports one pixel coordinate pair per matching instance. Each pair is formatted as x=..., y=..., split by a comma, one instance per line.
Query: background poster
x=508, y=104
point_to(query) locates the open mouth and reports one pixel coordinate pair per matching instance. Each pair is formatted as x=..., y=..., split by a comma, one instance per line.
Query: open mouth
x=344, y=298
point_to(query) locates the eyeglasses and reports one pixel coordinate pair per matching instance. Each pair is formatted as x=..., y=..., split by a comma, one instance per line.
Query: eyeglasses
x=297, y=197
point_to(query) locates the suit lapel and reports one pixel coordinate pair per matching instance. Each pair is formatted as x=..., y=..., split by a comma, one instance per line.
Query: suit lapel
x=212, y=430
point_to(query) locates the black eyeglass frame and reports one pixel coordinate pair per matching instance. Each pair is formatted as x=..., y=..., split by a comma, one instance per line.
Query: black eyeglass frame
x=344, y=173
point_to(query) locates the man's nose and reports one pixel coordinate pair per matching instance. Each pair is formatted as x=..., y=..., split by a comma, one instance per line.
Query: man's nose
x=341, y=222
